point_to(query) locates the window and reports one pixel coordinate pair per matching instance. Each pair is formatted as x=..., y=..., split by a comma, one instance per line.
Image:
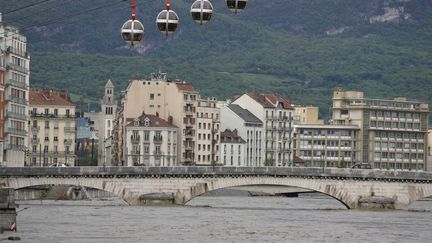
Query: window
x=56, y=112
x=46, y=111
x=68, y=112
x=146, y=136
x=152, y=96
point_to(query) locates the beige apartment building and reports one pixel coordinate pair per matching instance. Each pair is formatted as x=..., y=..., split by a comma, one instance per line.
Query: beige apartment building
x=173, y=101
x=429, y=150
x=307, y=115
x=208, y=132
x=392, y=133
x=327, y=145
x=150, y=141
x=52, y=128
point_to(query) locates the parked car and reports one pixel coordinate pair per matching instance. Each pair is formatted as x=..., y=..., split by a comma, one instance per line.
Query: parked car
x=58, y=165
x=362, y=166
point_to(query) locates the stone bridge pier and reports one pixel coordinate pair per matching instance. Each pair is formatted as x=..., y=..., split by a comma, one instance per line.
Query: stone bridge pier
x=178, y=185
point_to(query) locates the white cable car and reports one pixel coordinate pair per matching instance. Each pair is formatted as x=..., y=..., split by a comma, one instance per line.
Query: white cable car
x=167, y=22
x=132, y=30
x=236, y=5
x=201, y=11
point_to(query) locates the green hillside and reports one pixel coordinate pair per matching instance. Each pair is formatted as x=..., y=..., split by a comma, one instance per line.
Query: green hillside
x=293, y=48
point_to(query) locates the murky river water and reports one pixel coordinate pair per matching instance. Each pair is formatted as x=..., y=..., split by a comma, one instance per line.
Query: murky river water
x=221, y=219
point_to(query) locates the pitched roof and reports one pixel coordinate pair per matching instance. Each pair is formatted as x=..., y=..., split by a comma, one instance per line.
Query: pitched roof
x=270, y=100
x=154, y=121
x=244, y=114
x=185, y=86
x=109, y=84
x=229, y=136
x=49, y=98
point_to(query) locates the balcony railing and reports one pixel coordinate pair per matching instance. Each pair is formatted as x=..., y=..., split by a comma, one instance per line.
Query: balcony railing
x=68, y=141
x=135, y=139
x=16, y=115
x=35, y=128
x=17, y=68
x=15, y=147
x=16, y=83
x=16, y=131
x=15, y=51
x=157, y=139
x=35, y=140
x=69, y=129
x=17, y=100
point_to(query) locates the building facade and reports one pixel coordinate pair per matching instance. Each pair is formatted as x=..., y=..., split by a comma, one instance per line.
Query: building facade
x=208, y=131
x=392, y=132
x=14, y=62
x=429, y=150
x=173, y=101
x=248, y=127
x=277, y=115
x=150, y=141
x=307, y=115
x=232, y=151
x=52, y=129
x=327, y=145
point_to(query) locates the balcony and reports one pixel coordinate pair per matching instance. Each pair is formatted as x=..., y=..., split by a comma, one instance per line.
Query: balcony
x=69, y=129
x=35, y=140
x=35, y=128
x=17, y=52
x=135, y=139
x=15, y=147
x=18, y=100
x=17, y=68
x=20, y=132
x=68, y=141
x=157, y=139
x=15, y=83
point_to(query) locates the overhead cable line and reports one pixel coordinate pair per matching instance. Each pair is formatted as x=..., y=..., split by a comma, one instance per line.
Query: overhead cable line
x=27, y=6
x=20, y=18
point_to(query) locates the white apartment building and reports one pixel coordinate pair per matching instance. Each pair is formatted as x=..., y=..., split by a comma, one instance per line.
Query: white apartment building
x=207, y=135
x=52, y=128
x=277, y=116
x=173, y=101
x=232, y=151
x=327, y=145
x=429, y=150
x=392, y=134
x=14, y=63
x=248, y=127
x=150, y=141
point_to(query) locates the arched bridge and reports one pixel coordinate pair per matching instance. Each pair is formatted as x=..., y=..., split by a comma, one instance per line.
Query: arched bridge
x=143, y=185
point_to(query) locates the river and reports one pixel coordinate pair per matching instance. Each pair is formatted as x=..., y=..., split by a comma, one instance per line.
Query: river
x=221, y=219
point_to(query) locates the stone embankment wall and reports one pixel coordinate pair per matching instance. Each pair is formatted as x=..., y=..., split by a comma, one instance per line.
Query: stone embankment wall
x=7, y=209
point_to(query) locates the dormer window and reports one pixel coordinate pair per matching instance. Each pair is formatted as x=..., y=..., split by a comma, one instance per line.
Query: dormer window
x=136, y=123
x=146, y=122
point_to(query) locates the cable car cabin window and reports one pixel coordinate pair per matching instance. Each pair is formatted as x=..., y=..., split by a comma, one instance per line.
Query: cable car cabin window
x=197, y=5
x=138, y=26
x=173, y=16
x=128, y=25
x=162, y=15
x=231, y=4
x=138, y=37
x=172, y=27
x=207, y=16
x=196, y=15
x=126, y=36
x=241, y=4
x=161, y=26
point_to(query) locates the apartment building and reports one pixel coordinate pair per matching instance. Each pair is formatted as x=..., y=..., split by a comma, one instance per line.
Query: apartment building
x=327, y=145
x=429, y=150
x=392, y=133
x=52, y=128
x=150, y=141
x=2, y=106
x=277, y=115
x=247, y=126
x=232, y=148
x=207, y=131
x=173, y=101
x=307, y=115
x=14, y=62
x=103, y=122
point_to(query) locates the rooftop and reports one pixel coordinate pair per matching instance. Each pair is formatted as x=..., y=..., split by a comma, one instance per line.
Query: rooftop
x=229, y=136
x=49, y=98
x=244, y=114
x=270, y=100
x=146, y=120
